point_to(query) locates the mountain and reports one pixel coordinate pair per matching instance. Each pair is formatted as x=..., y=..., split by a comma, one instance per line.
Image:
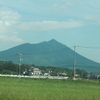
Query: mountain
x=51, y=53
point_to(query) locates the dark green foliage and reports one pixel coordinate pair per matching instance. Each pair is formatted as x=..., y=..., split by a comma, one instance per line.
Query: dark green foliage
x=8, y=67
x=82, y=73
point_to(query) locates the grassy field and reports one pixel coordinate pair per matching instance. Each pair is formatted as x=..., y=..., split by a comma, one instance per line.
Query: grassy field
x=46, y=89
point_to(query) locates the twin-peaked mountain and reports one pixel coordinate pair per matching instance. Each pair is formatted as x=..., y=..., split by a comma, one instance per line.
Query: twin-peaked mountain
x=51, y=53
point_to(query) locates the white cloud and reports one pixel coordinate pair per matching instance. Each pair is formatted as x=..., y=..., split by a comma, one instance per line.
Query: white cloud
x=49, y=25
x=5, y=38
x=93, y=19
x=8, y=20
x=9, y=15
x=9, y=23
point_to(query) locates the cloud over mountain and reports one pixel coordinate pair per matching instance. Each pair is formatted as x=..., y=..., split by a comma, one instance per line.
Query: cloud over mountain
x=4, y=38
x=49, y=25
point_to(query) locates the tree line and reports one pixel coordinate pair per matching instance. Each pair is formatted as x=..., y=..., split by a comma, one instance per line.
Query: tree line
x=8, y=67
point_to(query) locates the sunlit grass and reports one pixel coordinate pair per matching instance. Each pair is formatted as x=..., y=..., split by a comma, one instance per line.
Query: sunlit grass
x=46, y=89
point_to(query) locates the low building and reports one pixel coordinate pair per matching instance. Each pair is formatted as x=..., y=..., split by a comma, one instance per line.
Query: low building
x=36, y=71
x=77, y=75
x=61, y=74
x=46, y=74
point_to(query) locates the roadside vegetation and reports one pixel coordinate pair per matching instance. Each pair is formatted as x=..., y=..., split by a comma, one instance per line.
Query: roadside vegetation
x=48, y=89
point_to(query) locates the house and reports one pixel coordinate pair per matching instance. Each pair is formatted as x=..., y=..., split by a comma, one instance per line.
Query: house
x=93, y=76
x=61, y=74
x=46, y=74
x=36, y=71
x=77, y=75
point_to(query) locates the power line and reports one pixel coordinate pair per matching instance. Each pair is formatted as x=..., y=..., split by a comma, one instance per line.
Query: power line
x=88, y=47
x=75, y=56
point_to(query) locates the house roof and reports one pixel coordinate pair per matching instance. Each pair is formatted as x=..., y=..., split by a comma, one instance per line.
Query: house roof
x=36, y=69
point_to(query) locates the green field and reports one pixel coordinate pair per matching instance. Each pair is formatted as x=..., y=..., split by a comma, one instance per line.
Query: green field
x=46, y=89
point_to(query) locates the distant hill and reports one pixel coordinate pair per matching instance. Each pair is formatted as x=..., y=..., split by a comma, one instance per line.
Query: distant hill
x=51, y=53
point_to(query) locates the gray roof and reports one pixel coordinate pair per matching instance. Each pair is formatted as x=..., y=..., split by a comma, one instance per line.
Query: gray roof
x=36, y=69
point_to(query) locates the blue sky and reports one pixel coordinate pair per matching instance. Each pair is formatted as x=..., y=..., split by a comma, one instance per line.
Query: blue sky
x=71, y=22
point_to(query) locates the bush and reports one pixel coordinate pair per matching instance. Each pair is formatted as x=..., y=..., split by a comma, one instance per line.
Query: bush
x=6, y=72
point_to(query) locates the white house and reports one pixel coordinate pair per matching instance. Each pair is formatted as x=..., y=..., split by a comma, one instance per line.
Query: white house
x=36, y=71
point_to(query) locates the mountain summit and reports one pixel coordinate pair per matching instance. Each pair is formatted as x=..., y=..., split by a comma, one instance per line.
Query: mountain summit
x=50, y=53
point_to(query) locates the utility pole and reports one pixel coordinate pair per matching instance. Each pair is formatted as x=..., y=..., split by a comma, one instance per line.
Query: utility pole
x=20, y=55
x=74, y=61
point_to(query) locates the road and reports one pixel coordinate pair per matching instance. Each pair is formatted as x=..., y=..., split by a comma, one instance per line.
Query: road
x=49, y=77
